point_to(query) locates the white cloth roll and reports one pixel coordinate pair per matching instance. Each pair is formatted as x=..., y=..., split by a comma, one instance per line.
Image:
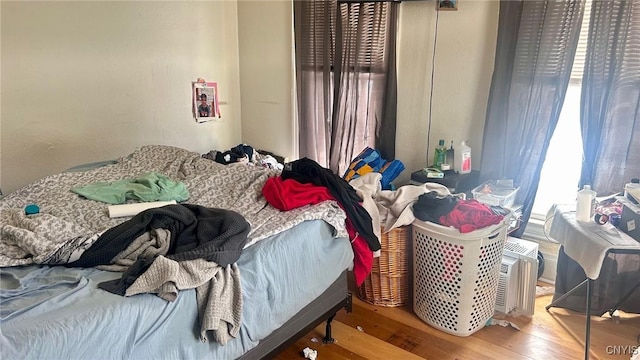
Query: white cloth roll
x=132, y=209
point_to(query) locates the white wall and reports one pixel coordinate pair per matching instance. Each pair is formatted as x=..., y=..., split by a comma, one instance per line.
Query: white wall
x=465, y=49
x=463, y=68
x=89, y=81
x=77, y=87
x=266, y=76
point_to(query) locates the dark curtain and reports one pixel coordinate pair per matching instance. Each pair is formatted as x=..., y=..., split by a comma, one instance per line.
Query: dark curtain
x=609, y=120
x=346, y=79
x=534, y=55
x=610, y=101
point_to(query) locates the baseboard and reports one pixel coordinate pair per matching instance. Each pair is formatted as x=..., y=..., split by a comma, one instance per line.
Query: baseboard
x=550, y=265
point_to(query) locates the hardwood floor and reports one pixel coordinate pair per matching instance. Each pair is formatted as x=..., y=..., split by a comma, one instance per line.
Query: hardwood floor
x=397, y=333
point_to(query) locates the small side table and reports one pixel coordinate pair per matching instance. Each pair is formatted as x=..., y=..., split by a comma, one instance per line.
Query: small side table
x=459, y=183
x=588, y=244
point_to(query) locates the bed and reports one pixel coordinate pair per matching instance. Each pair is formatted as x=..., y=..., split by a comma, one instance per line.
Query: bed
x=291, y=272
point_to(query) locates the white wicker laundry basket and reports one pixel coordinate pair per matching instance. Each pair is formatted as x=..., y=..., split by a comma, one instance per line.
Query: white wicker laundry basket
x=456, y=275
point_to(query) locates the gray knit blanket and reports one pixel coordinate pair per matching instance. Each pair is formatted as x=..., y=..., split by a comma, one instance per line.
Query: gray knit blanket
x=67, y=223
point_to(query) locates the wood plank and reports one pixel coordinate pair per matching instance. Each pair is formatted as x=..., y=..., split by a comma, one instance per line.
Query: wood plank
x=407, y=331
x=325, y=351
x=392, y=333
x=366, y=345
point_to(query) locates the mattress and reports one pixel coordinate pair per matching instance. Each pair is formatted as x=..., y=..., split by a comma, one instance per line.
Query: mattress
x=48, y=310
x=53, y=312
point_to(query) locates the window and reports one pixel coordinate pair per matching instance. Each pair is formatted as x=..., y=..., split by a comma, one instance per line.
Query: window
x=344, y=70
x=561, y=170
x=364, y=29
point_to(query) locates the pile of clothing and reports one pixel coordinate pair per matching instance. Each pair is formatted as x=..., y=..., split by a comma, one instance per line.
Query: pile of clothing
x=464, y=215
x=304, y=182
x=246, y=154
x=166, y=250
x=370, y=160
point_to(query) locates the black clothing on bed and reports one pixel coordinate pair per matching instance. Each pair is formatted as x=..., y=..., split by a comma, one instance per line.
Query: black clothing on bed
x=306, y=171
x=430, y=206
x=216, y=235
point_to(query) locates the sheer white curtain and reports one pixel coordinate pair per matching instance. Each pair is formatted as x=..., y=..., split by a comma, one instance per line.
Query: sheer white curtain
x=346, y=81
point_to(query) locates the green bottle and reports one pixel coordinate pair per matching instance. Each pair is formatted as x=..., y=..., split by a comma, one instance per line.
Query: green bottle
x=440, y=154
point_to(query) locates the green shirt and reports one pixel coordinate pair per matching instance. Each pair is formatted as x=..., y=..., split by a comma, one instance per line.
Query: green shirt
x=148, y=187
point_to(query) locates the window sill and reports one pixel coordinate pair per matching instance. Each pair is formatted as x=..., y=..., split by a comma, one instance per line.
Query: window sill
x=535, y=229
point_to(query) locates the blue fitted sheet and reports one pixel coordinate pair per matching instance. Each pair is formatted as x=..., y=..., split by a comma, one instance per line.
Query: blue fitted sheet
x=59, y=313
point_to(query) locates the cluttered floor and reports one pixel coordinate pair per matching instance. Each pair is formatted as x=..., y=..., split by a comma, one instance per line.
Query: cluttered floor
x=374, y=332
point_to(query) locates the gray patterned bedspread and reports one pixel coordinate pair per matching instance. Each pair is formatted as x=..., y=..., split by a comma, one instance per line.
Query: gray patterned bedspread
x=68, y=220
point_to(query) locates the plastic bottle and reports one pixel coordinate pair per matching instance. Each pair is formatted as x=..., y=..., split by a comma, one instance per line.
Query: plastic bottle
x=440, y=154
x=585, y=204
x=463, y=159
x=451, y=156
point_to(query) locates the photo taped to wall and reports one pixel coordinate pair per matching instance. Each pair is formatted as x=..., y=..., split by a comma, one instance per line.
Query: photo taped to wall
x=205, y=101
x=447, y=5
